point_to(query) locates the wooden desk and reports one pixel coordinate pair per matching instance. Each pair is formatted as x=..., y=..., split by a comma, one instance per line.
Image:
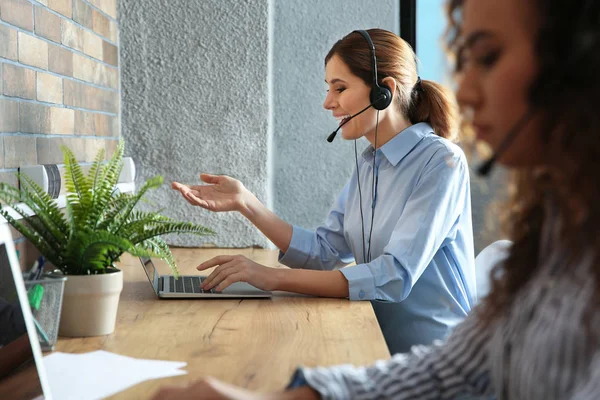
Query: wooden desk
x=255, y=344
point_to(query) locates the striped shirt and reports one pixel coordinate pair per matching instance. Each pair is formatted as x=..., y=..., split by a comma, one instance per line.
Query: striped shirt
x=541, y=348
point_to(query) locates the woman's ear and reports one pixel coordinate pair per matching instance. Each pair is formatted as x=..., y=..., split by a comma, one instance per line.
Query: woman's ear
x=391, y=84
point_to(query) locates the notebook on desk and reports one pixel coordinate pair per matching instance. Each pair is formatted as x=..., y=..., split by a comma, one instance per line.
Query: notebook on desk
x=166, y=286
x=22, y=372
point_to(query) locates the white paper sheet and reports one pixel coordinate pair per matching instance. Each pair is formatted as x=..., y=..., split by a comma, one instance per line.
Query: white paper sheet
x=99, y=374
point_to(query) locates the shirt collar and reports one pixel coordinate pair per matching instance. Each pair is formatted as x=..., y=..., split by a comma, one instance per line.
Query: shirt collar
x=401, y=144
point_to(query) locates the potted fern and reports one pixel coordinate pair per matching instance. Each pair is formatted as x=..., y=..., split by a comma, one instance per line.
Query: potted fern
x=83, y=243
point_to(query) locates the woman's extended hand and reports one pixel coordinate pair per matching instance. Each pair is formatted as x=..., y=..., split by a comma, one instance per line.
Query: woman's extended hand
x=222, y=194
x=238, y=269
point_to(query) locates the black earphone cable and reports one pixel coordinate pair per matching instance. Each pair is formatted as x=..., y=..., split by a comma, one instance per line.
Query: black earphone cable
x=362, y=220
x=374, y=191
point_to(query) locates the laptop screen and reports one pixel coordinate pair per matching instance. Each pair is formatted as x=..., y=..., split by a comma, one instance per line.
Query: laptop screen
x=150, y=270
x=19, y=378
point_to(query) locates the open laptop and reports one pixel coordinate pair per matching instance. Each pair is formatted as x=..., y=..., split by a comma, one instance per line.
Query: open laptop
x=22, y=372
x=166, y=286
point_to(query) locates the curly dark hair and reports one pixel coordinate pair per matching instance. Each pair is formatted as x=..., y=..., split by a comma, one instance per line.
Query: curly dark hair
x=566, y=92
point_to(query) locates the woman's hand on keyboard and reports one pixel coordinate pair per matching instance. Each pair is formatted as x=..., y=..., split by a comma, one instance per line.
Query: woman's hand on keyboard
x=238, y=268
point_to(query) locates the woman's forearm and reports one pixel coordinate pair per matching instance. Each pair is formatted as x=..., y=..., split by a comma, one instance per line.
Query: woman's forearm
x=315, y=283
x=277, y=230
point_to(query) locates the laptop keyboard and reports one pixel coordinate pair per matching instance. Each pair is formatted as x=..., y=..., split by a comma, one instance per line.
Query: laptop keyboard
x=188, y=284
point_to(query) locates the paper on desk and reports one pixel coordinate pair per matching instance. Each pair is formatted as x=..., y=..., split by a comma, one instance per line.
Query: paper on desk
x=100, y=373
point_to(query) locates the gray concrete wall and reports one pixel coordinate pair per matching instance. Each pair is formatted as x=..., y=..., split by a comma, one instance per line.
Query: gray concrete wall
x=309, y=171
x=195, y=99
x=196, y=81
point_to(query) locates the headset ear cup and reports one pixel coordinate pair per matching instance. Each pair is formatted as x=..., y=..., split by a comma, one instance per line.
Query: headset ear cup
x=376, y=93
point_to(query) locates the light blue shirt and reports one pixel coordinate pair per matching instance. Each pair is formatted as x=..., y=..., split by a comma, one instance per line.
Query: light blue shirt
x=421, y=276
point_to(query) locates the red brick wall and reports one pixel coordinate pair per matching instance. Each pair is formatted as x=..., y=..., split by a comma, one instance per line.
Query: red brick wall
x=59, y=84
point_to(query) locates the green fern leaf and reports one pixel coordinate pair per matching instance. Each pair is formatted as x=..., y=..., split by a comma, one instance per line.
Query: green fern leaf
x=163, y=228
x=33, y=236
x=79, y=192
x=110, y=177
x=47, y=205
x=93, y=181
x=52, y=237
x=140, y=251
x=117, y=204
x=162, y=249
x=152, y=183
x=94, y=250
x=45, y=210
x=139, y=221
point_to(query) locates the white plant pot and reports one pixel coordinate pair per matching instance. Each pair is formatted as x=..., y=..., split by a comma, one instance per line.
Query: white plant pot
x=90, y=304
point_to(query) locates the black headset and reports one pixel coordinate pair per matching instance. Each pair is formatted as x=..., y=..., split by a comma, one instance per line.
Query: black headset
x=381, y=95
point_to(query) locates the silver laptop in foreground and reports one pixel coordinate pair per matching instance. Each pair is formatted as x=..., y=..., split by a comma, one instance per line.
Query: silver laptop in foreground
x=166, y=286
x=22, y=372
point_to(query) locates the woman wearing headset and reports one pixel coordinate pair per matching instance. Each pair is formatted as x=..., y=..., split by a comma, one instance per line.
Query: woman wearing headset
x=404, y=216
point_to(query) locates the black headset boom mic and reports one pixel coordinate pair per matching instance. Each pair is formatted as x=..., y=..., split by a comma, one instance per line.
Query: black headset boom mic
x=485, y=168
x=332, y=135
